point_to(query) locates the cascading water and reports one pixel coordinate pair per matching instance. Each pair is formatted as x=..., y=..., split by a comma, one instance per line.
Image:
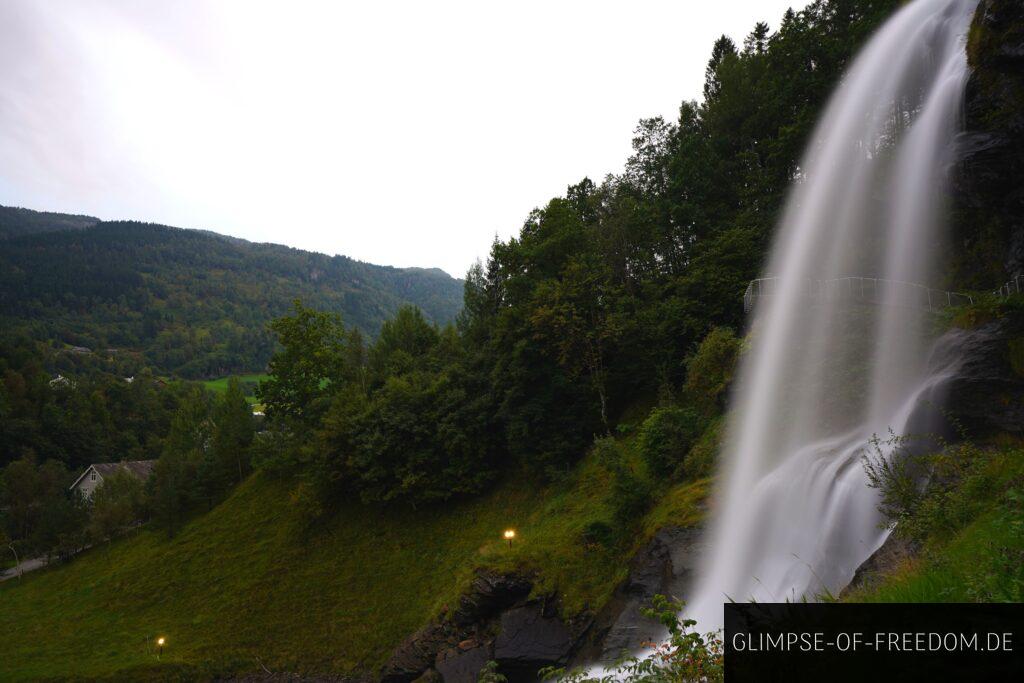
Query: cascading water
x=794, y=515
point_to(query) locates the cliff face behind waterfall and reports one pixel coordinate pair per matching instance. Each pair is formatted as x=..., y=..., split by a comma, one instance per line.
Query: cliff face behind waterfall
x=989, y=212
x=579, y=401
x=954, y=545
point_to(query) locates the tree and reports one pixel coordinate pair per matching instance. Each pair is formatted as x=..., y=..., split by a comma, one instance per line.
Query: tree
x=6, y=542
x=757, y=42
x=723, y=52
x=117, y=504
x=39, y=515
x=574, y=315
x=667, y=436
x=307, y=369
x=233, y=433
x=404, y=341
x=176, y=486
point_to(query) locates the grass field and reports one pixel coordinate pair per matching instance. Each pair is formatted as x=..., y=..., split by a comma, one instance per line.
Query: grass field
x=246, y=587
x=219, y=386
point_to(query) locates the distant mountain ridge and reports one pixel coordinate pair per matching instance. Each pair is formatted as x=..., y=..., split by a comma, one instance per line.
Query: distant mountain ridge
x=187, y=302
x=15, y=221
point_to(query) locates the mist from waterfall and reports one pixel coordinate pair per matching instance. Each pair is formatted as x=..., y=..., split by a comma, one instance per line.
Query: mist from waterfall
x=794, y=516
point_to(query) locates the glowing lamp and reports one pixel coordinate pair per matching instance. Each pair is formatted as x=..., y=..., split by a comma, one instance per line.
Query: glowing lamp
x=509, y=535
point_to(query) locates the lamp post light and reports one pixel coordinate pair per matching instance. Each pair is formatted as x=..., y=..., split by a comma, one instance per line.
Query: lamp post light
x=160, y=644
x=509, y=535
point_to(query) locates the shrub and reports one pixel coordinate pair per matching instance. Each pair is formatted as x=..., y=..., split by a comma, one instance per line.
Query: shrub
x=933, y=494
x=892, y=469
x=631, y=494
x=709, y=371
x=667, y=436
x=686, y=656
x=700, y=461
x=490, y=674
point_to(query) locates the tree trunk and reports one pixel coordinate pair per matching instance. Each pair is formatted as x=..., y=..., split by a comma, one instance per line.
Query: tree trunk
x=17, y=562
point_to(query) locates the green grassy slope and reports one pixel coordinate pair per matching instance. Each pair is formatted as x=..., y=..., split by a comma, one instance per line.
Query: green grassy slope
x=244, y=587
x=982, y=560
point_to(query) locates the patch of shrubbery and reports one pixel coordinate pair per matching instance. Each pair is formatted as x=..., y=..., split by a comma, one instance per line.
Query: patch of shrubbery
x=666, y=436
x=934, y=494
x=700, y=462
x=630, y=492
x=709, y=371
x=686, y=655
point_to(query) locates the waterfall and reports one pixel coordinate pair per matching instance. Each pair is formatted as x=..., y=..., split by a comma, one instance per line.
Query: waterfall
x=794, y=516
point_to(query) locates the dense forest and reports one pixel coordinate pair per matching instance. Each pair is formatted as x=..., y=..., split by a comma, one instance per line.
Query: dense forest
x=187, y=303
x=594, y=307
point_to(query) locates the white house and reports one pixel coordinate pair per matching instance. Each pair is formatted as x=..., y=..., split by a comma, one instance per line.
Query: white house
x=94, y=474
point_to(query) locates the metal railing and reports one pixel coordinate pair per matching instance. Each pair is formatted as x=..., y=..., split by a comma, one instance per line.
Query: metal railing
x=1014, y=286
x=867, y=290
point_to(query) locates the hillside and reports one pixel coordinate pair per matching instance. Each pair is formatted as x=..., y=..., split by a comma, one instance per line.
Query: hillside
x=246, y=588
x=193, y=303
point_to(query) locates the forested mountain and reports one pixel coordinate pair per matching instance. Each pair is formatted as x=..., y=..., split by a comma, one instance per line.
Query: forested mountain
x=186, y=302
x=15, y=221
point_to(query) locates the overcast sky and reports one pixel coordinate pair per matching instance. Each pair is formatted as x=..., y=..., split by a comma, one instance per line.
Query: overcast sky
x=400, y=133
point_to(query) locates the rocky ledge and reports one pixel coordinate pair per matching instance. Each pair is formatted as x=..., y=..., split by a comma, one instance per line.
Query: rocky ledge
x=499, y=620
x=496, y=619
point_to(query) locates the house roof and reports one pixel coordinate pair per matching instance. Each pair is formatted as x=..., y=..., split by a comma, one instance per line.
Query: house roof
x=140, y=469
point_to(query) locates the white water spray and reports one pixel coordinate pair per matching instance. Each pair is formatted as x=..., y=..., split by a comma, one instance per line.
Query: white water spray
x=794, y=515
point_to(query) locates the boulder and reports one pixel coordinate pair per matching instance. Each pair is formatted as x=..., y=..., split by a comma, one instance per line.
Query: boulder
x=529, y=639
x=489, y=594
x=456, y=665
x=415, y=655
x=665, y=566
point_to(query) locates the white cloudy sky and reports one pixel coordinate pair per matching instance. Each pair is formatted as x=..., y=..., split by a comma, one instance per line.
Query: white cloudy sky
x=402, y=133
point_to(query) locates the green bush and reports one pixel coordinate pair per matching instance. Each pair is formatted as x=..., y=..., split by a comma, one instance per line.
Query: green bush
x=931, y=495
x=700, y=462
x=666, y=436
x=710, y=369
x=631, y=493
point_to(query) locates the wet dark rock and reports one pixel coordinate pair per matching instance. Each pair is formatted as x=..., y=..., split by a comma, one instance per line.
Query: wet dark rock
x=987, y=396
x=988, y=183
x=430, y=676
x=416, y=654
x=529, y=640
x=883, y=561
x=463, y=666
x=455, y=647
x=665, y=566
x=490, y=593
